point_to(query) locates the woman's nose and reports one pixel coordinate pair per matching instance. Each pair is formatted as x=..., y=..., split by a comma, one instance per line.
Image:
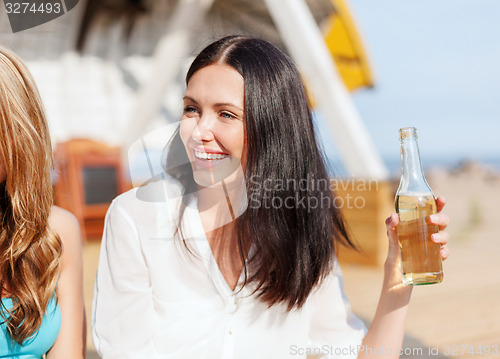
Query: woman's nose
x=203, y=130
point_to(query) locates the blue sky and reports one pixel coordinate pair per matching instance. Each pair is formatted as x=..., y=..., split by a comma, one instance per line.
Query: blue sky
x=437, y=67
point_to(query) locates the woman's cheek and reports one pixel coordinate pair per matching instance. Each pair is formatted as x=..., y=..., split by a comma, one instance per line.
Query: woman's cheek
x=236, y=140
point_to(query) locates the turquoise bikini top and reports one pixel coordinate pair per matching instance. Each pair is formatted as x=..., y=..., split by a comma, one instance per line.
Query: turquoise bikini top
x=37, y=345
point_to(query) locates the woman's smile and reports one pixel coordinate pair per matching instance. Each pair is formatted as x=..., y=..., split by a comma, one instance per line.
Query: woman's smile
x=208, y=158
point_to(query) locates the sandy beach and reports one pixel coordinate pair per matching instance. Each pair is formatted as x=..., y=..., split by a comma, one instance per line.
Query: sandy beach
x=459, y=318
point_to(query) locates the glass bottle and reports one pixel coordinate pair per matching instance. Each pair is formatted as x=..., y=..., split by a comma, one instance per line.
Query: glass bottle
x=420, y=259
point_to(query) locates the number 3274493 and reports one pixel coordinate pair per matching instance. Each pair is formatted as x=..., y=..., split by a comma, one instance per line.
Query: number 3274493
x=479, y=350
x=33, y=7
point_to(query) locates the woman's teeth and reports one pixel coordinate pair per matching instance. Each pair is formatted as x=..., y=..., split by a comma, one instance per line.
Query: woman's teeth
x=209, y=156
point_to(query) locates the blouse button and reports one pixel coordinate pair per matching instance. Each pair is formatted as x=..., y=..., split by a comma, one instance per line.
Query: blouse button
x=233, y=305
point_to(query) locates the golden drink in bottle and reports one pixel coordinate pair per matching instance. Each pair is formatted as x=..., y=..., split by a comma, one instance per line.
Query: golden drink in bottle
x=420, y=258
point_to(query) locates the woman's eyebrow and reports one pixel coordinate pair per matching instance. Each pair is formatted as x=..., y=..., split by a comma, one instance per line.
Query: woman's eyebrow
x=223, y=104
x=218, y=104
x=190, y=99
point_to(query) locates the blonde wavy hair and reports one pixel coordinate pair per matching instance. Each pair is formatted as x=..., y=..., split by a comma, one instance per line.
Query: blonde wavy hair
x=30, y=251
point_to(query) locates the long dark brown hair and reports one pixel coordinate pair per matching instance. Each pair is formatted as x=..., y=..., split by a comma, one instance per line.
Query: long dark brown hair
x=293, y=244
x=30, y=250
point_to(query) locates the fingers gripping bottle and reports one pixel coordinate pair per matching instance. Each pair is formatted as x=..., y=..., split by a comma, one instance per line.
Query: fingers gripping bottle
x=420, y=259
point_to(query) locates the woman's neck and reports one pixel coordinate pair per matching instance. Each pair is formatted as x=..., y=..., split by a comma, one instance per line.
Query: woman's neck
x=220, y=204
x=226, y=199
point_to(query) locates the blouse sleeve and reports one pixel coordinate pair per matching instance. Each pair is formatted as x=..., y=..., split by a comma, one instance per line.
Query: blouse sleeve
x=123, y=320
x=335, y=331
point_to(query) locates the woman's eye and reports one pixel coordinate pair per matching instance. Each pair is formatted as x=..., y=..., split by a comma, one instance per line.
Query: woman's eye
x=227, y=115
x=190, y=110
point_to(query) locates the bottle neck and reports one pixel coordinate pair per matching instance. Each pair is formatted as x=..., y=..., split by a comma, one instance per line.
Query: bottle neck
x=412, y=175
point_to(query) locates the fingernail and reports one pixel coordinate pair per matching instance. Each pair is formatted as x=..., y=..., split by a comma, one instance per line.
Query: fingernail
x=433, y=218
x=435, y=237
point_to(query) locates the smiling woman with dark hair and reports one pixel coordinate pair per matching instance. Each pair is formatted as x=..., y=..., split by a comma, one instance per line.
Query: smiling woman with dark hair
x=256, y=275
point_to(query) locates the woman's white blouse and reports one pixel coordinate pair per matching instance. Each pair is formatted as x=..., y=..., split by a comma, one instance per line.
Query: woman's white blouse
x=153, y=299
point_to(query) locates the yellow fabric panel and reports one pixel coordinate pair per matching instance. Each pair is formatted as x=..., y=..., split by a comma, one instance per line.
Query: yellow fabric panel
x=344, y=43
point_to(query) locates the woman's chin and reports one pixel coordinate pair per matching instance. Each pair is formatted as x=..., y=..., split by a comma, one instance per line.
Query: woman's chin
x=206, y=178
x=226, y=171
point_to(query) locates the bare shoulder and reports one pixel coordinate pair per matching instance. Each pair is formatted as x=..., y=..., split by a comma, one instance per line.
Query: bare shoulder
x=65, y=224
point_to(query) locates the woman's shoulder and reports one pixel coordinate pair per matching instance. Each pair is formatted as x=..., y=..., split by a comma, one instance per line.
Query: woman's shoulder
x=64, y=223
x=158, y=189
x=161, y=194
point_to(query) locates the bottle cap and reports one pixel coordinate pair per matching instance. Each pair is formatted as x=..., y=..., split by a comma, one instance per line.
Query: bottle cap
x=407, y=132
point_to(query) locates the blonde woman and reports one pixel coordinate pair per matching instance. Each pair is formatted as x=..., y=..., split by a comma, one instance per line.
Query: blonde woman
x=41, y=308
